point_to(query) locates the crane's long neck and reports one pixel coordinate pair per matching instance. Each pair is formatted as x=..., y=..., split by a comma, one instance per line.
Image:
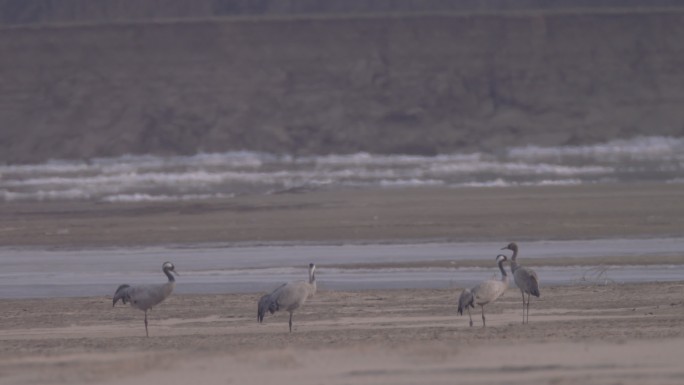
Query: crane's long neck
x=504, y=275
x=169, y=275
x=514, y=265
x=514, y=262
x=312, y=281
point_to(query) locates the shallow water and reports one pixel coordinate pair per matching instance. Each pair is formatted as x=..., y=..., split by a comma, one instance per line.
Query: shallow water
x=30, y=272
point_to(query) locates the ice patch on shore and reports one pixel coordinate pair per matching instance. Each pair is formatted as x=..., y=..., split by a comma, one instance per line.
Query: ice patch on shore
x=163, y=198
x=145, y=178
x=638, y=148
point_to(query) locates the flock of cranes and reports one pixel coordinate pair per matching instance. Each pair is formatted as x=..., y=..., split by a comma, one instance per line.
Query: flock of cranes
x=293, y=295
x=490, y=290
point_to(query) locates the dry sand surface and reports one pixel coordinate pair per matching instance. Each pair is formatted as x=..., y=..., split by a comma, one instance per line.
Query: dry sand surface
x=615, y=334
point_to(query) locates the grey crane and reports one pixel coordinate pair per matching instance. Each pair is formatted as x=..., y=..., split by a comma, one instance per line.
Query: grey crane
x=486, y=292
x=288, y=296
x=144, y=297
x=525, y=278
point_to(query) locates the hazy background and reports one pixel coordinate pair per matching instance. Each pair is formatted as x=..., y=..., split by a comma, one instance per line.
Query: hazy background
x=83, y=78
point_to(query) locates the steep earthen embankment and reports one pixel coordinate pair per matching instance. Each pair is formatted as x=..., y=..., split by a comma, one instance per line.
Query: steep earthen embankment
x=407, y=84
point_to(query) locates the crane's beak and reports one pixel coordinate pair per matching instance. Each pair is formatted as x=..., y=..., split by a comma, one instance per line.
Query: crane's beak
x=175, y=272
x=504, y=248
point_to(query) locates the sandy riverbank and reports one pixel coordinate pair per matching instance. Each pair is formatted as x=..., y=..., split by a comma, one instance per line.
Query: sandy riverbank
x=627, y=334
x=373, y=215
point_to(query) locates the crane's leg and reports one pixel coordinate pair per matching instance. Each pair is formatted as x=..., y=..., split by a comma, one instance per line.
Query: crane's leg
x=523, y=298
x=146, y=333
x=528, y=308
x=483, y=317
x=469, y=316
x=290, y=322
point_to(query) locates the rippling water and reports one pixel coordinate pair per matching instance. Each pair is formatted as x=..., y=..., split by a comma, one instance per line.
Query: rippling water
x=207, y=176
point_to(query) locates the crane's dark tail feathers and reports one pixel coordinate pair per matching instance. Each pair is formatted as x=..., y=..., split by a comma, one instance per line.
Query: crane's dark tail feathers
x=266, y=304
x=466, y=299
x=121, y=294
x=261, y=308
x=534, y=290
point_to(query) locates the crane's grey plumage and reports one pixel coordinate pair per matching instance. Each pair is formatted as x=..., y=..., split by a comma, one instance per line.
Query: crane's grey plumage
x=486, y=292
x=288, y=296
x=525, y=278
x=144, y=297
x=266, y=303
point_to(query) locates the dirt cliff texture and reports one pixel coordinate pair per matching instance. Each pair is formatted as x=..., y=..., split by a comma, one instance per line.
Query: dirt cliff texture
x=26, y=12
x=425, y=83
